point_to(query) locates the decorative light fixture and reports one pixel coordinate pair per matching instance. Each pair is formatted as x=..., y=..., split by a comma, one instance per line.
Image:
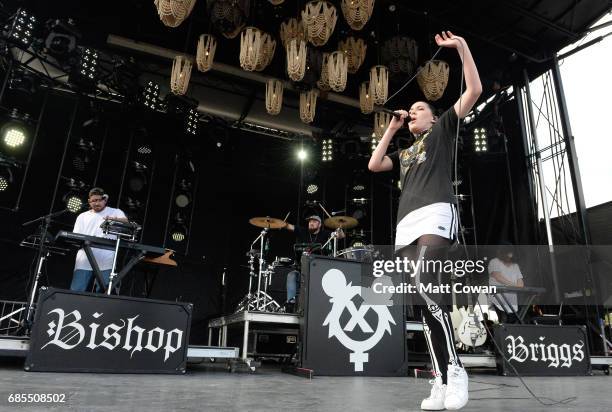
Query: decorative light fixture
x=379, y=84
x=366, y=100
x=374, y=142
x=207, y=45
x=357, y=12
x=323, y=82
x=400, y=54
x=276, y=2
x=312, y=188
x=355, y=51
x=296, y=59
x=256, y=49
x=319, y=19
x=327, y=150
x=433, y=78
x=274, y=96
x=173, y=12
x=88, y=63
x=291, y=29
x=181, y=73
x=337, y=68
x=308, y=105
x=381, y=122
x=228, y=16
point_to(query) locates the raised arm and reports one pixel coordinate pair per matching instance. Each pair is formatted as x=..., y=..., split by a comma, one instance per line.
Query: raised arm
x=473, y=87
x=379, y=162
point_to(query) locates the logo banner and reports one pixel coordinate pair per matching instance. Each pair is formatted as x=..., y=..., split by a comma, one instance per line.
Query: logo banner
x=86, y=332
x=543, y=350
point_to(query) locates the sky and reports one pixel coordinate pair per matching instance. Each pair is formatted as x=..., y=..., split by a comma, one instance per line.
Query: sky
x=588, y=91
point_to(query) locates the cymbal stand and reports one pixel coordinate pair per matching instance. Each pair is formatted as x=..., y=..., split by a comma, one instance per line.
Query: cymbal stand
x=334, y=237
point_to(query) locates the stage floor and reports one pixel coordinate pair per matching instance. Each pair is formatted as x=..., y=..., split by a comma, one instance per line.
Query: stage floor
x=269, y=389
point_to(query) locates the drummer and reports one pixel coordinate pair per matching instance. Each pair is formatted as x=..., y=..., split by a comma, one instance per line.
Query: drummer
x=316, y=236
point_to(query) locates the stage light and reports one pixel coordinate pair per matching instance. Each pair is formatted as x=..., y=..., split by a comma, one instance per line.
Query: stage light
x=311, y=189
x=374, y=143
x=302, y=155
x=22, y=28
x=191, y=121
x=178, y=232
x=74, y=203
x=6, y=178
x=88, y=63
x=358, y=187
x=144, y=149
x=151, y=96
x=480, y=140
x=327, y=150
x=133, y=204
x=62, y=38
x=13, y=136
x=178, y=236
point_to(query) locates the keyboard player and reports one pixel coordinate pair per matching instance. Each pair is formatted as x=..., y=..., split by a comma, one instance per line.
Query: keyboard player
x=504, y=271
x=88, y=223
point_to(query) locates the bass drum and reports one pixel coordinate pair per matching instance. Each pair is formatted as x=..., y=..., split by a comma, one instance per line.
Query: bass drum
x=365, y=253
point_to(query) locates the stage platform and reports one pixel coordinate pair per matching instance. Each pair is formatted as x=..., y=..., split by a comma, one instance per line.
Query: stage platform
x=206, y=388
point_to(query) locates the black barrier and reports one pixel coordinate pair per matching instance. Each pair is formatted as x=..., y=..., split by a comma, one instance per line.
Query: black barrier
x=543, y=350
x=341, y=335
x=86, y=332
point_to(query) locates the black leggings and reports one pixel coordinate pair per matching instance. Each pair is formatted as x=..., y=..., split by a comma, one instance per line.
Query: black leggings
x=437, y=325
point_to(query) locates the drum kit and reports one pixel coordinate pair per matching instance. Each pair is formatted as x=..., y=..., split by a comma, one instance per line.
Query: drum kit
x=257, y=298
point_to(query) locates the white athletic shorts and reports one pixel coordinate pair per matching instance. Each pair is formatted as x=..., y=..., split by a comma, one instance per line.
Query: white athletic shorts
x=435, y=219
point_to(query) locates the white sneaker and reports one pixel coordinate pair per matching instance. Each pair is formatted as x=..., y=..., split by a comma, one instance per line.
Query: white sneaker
x=435, y=402
x=456, y=388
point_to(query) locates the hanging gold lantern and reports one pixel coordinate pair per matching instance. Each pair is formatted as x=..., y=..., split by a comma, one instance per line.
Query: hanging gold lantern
x=181, y=73
x=274, y=96
x=291, y=29
x=205, y=55
x=276, y=2
x=379, y=84
x=308, y=105
x=355, y=51
x=319, y=19
x=173, y=12
x=267, y=51
x=323, y=81
x=337, y=71
x=366, y=101
x=381, y=122
x=251, y=48
x=399, y=53
x=228, y=16
x=357, y=12
x=296, y=59
x=433, y=79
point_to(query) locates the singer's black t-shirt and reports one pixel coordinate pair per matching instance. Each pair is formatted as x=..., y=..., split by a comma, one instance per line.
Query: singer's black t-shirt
x=426, y=167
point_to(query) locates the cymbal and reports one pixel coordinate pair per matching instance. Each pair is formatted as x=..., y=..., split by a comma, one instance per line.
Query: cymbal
x=344, y=222
x=269, y=222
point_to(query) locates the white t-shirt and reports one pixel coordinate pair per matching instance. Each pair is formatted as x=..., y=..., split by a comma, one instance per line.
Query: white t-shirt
x=88, y=223
x=511, y=272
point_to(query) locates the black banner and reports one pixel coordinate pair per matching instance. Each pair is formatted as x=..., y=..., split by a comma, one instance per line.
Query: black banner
x=341, y=334
x=543, y=350
x=86, y=332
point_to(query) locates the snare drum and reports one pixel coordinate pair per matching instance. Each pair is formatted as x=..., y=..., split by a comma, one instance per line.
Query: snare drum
x=361, y=254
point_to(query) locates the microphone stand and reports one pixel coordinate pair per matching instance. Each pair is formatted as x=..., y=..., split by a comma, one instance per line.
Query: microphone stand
x=42, y=255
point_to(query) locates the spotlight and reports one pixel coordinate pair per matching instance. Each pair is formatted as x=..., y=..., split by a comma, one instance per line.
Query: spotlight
x=358, y=187
x=480, y=140
x=178, y=232
x=73, y=202
x=22, y=28
x=88, y=63
x=178, y=235
x=6, y=178
x=62, y=37
x=144, y=149
x=311, y=189
x=151, y=96
x=13, y=136
x=302, y=154
x=183, y=199
x=191, y=121
x=327, y=150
